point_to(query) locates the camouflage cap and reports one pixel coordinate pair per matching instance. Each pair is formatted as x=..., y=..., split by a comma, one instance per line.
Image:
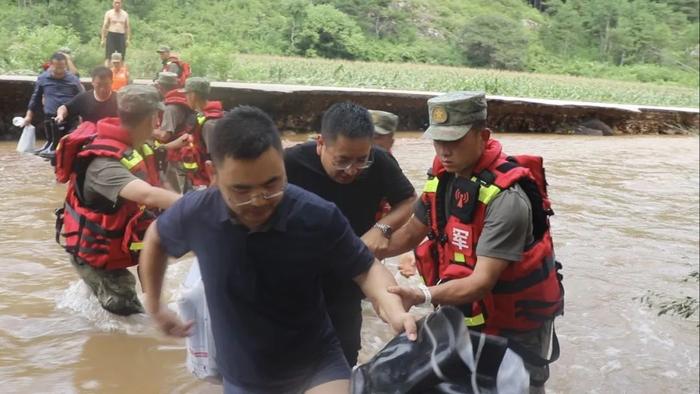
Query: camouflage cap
x=197, y=85
x=116, y=57
x=139, y=99
x=384, y=122
x=452, y=114
x=166, y=78
x=64, y=50
x=163, y=48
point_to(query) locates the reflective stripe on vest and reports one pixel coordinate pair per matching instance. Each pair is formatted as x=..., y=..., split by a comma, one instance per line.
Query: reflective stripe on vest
x=477, y=320
x=486, y=193
x=135, y=158
x=431, y=185
x=201, y=119
x=189, y=165
x=136, y=246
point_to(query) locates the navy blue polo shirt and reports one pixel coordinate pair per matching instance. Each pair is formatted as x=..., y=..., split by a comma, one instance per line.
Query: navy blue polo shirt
x=263, y=290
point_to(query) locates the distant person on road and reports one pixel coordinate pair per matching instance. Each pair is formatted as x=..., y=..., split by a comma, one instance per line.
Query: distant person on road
x=69, y=61
x=178, y=122
x=95, y=104
x=116, y=31
x=54, y=87
x=120, y=73
x=172, y=63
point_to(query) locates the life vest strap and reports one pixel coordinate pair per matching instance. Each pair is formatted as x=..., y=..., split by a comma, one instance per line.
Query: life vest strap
x=531, y=279
x=94, y=227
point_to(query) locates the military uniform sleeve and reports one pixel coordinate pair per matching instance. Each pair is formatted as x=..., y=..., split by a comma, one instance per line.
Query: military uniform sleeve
x=172, y=117
x=106, y=177
x=207, y=131
x=507, y=226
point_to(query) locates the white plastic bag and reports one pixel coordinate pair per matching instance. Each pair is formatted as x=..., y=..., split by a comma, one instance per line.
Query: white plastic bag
x=192, y=305
x=27, y=140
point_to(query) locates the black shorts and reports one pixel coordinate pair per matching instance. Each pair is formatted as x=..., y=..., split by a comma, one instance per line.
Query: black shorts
x=116, y=42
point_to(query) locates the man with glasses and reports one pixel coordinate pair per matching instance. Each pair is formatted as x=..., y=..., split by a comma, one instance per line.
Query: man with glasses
x=262, y=247
x=343, y=167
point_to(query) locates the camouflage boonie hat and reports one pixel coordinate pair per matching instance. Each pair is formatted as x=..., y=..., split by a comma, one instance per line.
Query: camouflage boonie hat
x=139, y=99
x=163, y=48
x=452, y=114
x=197, y=85
x=167, y=78
x=384, y=122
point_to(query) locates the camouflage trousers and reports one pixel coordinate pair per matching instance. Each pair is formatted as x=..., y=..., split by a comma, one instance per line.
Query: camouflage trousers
x=114, y=289
x=538, y=342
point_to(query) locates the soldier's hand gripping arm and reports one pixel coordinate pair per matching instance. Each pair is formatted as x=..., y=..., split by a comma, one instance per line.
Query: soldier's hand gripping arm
x=374, y=284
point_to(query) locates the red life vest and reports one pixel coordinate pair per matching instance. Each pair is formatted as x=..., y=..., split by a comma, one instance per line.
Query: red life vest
x=184, y=67
x=101, y=234
x=529, y=291
x=178, y=97
x=195, y=155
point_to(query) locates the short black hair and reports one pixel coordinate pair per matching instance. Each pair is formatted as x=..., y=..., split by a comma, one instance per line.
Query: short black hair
x=101, y=72
x=58, y=56
x=347, y=119
x=244, y=133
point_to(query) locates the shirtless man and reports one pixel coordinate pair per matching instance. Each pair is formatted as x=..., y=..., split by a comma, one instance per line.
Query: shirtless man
x=116, y=31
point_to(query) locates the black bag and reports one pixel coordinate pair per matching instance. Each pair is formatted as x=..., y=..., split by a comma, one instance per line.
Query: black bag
x=441, y=360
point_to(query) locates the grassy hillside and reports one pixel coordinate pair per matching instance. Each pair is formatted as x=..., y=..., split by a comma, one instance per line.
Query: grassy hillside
x=649, y=46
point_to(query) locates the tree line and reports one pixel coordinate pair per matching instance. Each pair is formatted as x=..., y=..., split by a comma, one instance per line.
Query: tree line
x=652, y=40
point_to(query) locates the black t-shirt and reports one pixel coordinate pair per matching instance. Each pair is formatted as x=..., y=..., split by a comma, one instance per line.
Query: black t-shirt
x=87, y=107
x=359, y=201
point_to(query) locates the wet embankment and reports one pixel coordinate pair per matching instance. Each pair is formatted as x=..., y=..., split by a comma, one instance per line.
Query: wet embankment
x=299, y=108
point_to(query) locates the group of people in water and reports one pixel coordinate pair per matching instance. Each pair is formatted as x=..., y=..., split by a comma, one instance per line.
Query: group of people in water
x=289, y=241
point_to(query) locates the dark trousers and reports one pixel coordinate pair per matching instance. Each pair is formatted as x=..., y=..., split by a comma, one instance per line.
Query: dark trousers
x=115, y=42
x=347, y=322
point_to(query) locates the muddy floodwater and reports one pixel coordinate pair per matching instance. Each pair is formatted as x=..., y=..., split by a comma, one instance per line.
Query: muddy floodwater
x=626, y=223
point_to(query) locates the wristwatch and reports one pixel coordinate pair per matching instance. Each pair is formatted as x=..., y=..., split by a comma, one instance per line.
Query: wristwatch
x=385, y=229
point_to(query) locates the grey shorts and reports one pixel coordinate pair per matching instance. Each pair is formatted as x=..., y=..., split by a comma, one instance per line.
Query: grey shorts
x=331, y=366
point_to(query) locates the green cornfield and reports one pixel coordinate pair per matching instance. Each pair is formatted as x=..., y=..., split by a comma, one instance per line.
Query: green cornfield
x=288, y=70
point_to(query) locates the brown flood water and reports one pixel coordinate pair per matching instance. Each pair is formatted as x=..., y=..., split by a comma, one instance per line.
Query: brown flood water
x=627, y=222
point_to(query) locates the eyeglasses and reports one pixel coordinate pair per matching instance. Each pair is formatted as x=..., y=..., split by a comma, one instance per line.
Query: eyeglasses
x=266, y=196
x=345, y=165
